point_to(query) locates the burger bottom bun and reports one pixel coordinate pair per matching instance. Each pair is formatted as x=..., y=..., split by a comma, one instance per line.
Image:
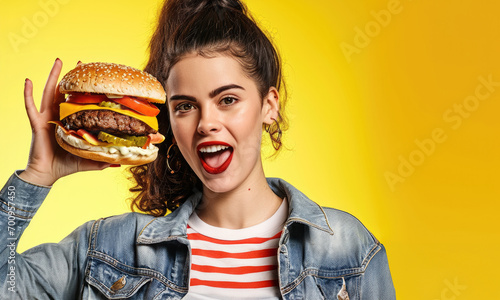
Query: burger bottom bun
x=113, y=158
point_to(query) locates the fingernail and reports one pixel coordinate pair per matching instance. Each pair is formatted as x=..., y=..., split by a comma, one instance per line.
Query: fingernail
x=57, y=59
x=25, y=80
x=79, y=62
x=115, y=165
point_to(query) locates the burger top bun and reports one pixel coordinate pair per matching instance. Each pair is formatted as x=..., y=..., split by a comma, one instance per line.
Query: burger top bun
x=114, y=79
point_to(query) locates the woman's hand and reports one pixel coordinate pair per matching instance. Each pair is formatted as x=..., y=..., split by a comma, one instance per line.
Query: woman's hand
x=47, y=161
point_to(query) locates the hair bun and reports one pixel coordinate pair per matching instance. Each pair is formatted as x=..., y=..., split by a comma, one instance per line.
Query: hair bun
x=200, y=5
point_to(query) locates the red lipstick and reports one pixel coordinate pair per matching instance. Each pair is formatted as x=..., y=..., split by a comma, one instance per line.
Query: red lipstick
x=223, y=166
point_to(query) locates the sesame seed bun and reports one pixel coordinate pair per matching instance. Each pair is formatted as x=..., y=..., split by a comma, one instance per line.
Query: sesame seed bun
x=115, y=79
x=118, y=82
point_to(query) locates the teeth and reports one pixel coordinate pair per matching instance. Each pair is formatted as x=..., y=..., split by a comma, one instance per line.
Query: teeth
x=212, y=149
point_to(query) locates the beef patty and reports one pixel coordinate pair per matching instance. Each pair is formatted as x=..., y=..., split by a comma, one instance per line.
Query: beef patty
x=107, y=121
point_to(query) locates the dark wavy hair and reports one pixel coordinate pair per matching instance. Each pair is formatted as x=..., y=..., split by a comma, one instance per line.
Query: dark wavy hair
x=205, y=27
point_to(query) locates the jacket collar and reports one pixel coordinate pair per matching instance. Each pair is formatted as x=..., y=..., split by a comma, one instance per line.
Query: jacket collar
x=301, y=208
x=173, y=226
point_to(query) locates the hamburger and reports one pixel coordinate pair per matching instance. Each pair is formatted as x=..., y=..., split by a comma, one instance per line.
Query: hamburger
x=108, y=114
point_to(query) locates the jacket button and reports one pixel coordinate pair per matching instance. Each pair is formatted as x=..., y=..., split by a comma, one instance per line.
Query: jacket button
x=119, y=284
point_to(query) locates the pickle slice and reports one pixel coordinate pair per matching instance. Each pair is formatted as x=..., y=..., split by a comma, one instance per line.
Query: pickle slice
x=109, y=104
x=127, y=140
x=139, y=141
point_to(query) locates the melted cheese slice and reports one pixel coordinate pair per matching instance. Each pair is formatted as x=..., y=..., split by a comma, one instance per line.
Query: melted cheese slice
x=66, y=109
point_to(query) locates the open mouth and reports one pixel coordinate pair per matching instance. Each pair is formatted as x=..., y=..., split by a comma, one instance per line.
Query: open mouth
x=215, y=157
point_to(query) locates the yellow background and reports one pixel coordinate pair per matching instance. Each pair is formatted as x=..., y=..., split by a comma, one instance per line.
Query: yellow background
x=356, y=118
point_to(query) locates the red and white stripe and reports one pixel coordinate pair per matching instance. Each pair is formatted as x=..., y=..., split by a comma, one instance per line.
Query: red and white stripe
x=236, y=264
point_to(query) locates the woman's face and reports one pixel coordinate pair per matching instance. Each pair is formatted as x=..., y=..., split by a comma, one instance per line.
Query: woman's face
x=216, y=114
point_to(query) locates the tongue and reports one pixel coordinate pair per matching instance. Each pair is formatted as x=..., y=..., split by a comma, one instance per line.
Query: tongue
x=216, y=159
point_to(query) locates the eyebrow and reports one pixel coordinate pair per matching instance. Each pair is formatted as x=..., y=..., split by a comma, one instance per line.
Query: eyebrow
x=182, y=97
x=212, y=94
x=223, y=88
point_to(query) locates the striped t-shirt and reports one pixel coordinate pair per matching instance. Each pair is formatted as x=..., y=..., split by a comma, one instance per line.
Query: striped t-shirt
x=235, y=263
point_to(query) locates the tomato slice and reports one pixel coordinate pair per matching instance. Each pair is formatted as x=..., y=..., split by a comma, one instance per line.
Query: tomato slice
x=156, y=138
x=139, y=105
x=84, y=98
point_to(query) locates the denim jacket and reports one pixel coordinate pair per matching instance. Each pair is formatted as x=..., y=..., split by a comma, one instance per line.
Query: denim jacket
x=323, y=253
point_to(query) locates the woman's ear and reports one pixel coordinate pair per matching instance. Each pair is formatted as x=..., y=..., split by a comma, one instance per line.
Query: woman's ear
x=271, y=106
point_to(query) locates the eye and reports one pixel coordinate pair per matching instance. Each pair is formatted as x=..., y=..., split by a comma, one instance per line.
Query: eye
x=228, y=101
x=184, y=107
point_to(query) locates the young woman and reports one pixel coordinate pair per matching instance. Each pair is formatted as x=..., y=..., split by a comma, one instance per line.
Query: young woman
x=232, y=233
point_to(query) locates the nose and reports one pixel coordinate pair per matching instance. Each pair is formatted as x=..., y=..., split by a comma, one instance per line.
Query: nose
x=209, y=122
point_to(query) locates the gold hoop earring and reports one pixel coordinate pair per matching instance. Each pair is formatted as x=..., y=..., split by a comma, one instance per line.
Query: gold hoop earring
x=168, y=165
x=279, y=129
x=275, y=141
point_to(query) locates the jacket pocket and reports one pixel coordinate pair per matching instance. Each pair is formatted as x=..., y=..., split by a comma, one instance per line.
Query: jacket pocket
x=117, y=281
x=343, y=288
